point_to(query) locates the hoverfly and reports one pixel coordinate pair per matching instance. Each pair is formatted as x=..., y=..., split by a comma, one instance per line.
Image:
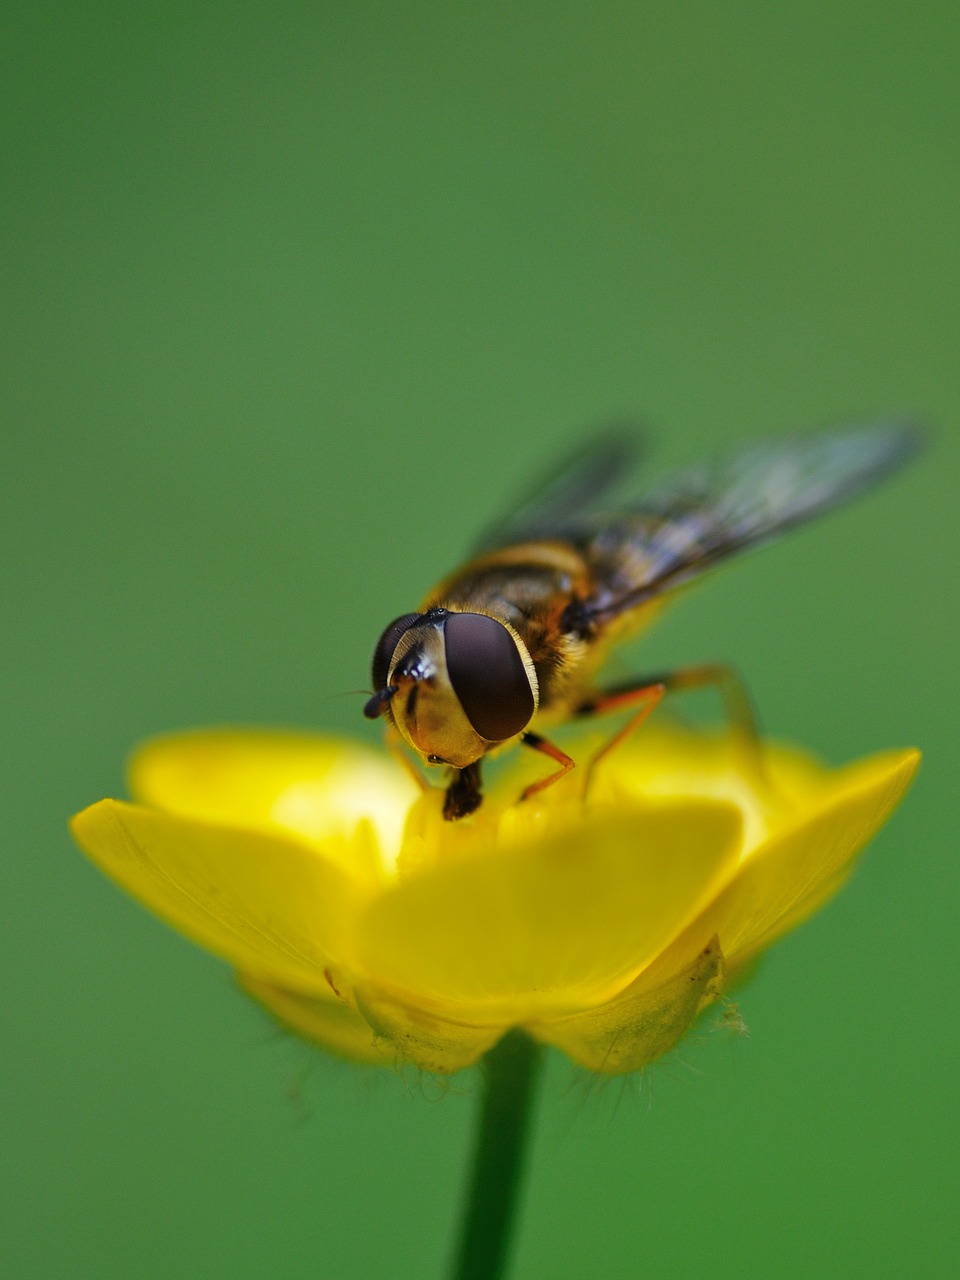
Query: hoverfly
x=515, y=636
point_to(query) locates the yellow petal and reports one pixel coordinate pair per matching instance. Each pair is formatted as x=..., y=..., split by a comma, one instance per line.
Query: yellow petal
x=270, y=906
x=671, y=762
x=319, y=789
x=380, y=1032
x=642, y=1023
x=332, y=1024
x=549, y=926
x=798, y=867
x=411, y=1035
x=785, y=879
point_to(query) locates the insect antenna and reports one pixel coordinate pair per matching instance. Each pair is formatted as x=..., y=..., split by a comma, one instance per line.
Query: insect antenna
x=374, y=706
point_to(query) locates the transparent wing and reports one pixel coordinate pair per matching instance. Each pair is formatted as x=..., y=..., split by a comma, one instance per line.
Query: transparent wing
x=565, y=504
x=699, y=517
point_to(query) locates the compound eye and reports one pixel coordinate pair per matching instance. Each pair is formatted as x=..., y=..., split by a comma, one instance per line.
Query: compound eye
x=488, y=675
x=383, y=653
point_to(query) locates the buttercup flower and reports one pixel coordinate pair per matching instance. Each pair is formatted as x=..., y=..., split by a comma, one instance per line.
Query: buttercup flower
x=601, y=924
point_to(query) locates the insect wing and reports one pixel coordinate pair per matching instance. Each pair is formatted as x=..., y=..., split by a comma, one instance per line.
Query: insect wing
x=701, y=516
x=565, y=504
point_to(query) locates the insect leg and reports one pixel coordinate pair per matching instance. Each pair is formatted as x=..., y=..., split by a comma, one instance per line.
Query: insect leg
x=729, y=684
x=645, y=692
x=395, y=746
x=464, y=794
x=726, y=680
x=738, y=706
x=537, y=743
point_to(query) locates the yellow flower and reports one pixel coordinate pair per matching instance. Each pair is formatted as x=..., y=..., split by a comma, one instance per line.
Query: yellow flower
x=602, y=925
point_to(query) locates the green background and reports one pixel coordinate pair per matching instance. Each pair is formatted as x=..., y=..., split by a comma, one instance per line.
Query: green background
x=294, y=296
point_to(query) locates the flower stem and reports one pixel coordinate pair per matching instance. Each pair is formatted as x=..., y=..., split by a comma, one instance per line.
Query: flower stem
x=510, y=1072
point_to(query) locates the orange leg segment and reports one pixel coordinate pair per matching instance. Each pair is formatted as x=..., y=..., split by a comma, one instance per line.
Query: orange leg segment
x=395, y=746
x=736, y=701
x=732, y=690
x=648, y=694
x=565, y=762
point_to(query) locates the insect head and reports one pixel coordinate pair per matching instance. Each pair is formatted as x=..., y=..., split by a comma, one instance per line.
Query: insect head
x=454, y=684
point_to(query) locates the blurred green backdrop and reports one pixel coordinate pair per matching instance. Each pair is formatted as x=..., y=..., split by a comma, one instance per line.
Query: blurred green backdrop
x=294, y=294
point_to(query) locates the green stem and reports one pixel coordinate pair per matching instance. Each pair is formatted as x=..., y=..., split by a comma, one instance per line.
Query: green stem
x=510, y=1071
